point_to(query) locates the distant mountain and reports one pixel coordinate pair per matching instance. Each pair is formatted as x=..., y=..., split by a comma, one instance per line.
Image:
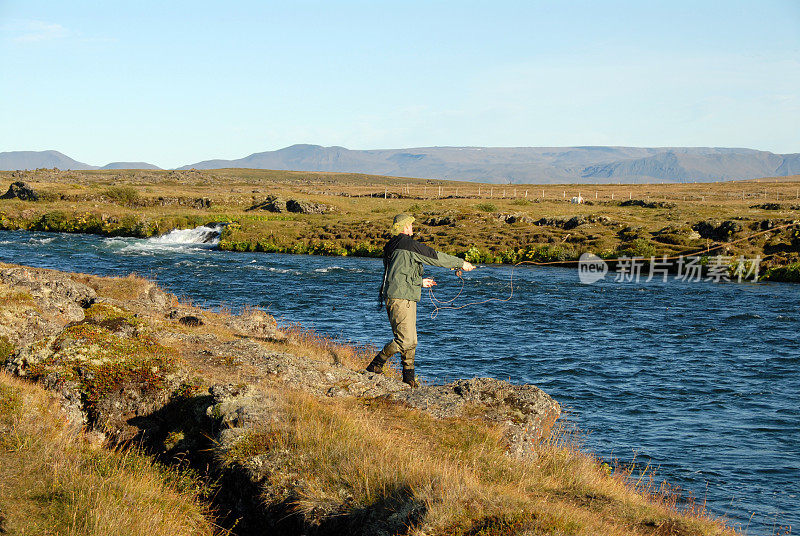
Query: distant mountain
x=586, y=164
x=14, y=160
x=129, y=165
x=528, y=164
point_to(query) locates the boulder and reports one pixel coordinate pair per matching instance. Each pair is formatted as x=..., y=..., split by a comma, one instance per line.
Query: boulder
x=714, y=230
x=574, y=222
x=21, y=190
x=647, y=204
x=768, y=206
x=436, y=221
x=514, y=218
x=307, y=207
x=272, y=203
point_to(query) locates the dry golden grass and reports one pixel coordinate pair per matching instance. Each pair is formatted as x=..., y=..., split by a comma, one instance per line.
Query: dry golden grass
x=54, y=482
x=453, y=477
x=345, y=456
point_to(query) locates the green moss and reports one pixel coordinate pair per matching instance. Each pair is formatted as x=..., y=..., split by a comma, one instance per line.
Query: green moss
x=6, y=349
x=254, y=443
x=638, y=247
x=789, y=274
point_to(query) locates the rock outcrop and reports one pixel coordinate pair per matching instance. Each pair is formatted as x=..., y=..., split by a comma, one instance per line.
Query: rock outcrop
x=130, y=362
x=307, y=207
x=716, y=230
x=20, y=190
x=274, y=203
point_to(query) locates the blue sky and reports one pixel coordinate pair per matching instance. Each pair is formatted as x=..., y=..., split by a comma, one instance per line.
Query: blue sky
x=173, y=83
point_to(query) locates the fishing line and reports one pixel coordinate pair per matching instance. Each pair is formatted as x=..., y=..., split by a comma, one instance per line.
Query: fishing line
x=442, y=304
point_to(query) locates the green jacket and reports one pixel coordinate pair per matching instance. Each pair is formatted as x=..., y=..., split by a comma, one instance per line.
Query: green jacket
x=403, y=258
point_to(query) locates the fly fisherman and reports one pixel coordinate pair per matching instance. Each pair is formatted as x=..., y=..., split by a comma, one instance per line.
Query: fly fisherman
x=401, y=288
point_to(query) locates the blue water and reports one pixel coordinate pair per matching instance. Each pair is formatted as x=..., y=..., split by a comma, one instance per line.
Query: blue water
x=699, y=380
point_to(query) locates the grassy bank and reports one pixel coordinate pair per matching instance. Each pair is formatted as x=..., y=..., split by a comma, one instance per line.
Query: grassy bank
x=480, y=222
x=284, y=422
x=54, y=479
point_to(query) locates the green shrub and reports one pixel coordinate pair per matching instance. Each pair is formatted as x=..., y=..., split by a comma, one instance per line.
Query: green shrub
x=639, y=247
x=486, y=207
x=122, y=195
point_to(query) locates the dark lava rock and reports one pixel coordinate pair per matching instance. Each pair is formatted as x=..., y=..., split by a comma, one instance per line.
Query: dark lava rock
x=715, y=230
x=514, y=218
x=307, y=207
x=438, y=221
x=190, y=320
x=21, y=190
x=768, y=206
x=647, y=204
x=272, y=203
x=574, y=222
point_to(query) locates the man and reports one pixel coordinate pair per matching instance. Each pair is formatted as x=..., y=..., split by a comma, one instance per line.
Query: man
x=401, y=288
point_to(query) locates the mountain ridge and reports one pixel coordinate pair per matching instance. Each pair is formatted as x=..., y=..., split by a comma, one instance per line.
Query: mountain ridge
x=511, y=165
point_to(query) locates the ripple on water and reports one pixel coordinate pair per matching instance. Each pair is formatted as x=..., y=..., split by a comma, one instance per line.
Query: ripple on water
x=664, y=369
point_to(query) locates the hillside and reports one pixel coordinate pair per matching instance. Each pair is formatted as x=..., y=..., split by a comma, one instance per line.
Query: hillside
x=26, y=160
x=129, y=165
x=39, y=159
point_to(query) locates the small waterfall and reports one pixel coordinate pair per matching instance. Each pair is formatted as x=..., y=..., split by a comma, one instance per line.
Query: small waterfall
x=205, y=234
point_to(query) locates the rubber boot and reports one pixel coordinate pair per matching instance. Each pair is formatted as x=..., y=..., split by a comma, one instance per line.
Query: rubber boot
x=376, y=365
x=410, y=378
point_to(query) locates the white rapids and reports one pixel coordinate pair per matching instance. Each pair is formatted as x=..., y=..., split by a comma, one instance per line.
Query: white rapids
x=205, y=234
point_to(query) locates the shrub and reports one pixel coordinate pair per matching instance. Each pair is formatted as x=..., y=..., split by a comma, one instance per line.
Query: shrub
x=486, y=207
x=122, y=195
x=639, y=247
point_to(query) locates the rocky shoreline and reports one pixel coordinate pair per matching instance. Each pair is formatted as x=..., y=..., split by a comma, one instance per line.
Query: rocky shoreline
x=132, y=364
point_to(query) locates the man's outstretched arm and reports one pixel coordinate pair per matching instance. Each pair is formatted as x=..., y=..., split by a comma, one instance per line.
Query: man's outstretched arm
x=428, y=255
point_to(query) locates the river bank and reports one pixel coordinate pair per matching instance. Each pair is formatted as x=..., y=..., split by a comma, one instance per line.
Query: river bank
x=295, y=435
x=348, y=215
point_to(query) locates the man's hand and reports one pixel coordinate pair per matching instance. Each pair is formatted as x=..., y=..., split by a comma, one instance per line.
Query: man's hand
x=468, y=266
x=428, y=283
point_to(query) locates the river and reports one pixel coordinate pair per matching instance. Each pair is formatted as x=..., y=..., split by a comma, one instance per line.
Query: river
x=698, y=380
